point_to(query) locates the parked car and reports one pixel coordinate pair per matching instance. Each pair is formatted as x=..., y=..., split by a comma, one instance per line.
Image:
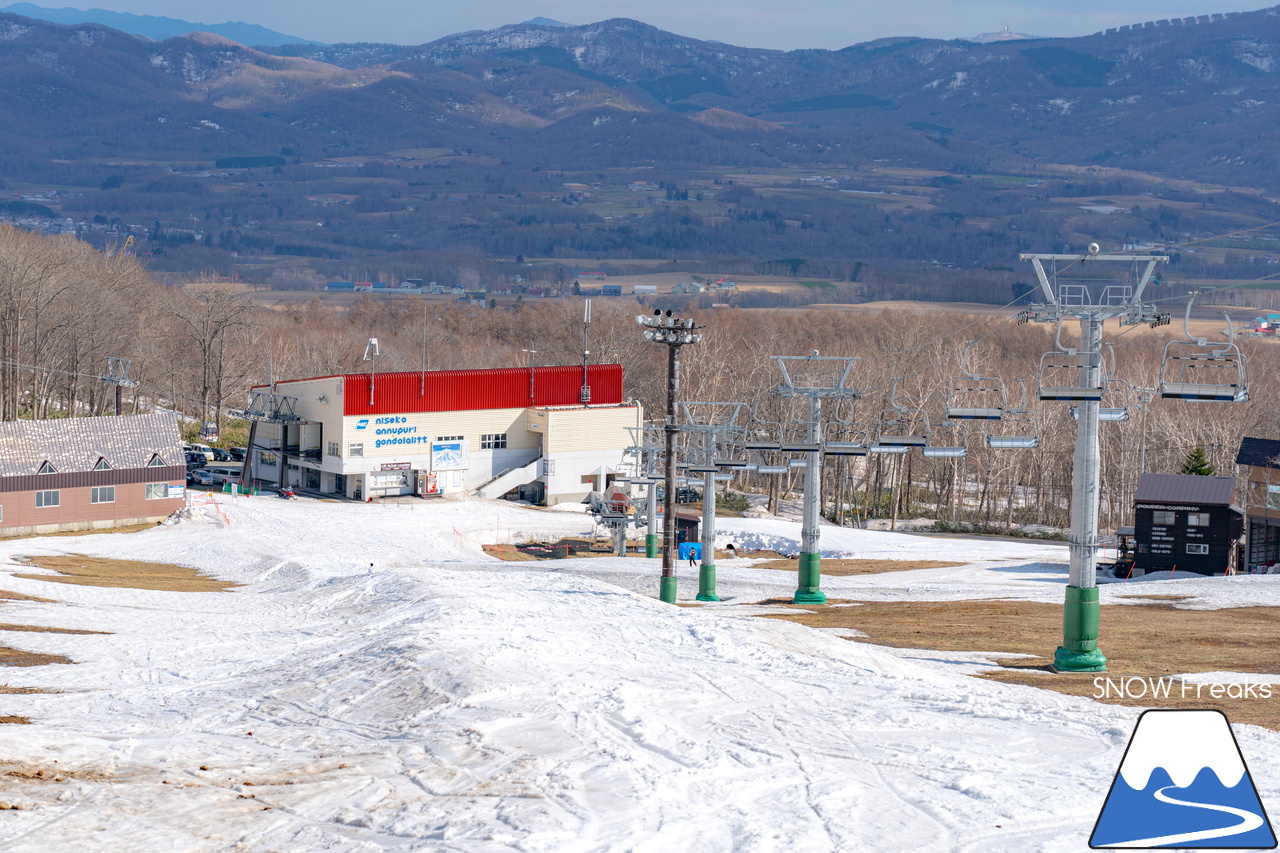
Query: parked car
x=195, y=460
x=220, y=474
x=221, y=454
x=203, y=449
x=202, y=477
x=238, y=454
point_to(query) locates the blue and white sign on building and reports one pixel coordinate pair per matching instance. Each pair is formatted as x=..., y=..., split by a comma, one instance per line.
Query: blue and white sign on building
x=449, y=455
x=1183, y=784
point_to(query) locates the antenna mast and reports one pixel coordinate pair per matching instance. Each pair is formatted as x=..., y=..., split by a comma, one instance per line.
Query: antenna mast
x=584, y=394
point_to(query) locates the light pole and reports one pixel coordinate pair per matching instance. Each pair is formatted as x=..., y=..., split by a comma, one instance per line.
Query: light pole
x=533, y=367
x=675, y=333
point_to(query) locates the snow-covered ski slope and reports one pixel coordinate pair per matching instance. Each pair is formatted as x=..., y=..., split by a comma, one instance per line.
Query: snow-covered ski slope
x=442, y=700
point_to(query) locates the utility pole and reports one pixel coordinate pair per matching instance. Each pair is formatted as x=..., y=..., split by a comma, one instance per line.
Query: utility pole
x=675, y=333
x=1079, y=651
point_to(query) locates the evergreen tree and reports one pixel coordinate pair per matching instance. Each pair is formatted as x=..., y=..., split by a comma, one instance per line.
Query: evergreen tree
x=1197, y=463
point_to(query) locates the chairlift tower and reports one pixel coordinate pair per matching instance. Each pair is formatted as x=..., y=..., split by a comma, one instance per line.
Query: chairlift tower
x=1079, y=651
x=814, y=378
x=646, y=447
x=271, y=408
x=712, y=424
x=118, y=375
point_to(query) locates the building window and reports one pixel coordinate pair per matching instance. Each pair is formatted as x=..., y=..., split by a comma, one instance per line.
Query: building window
x=103, y=465
x=267, y=460
x=493, y=441
x=46, y=468
x=156, y=462
x=334, y=450
x=157, y=491
x=51, y=497
x=355, y=449
x=1273, y=497
x=1192, y=548
x=459, y=438
x=1197, y=519
x=102, y=495
x=1161, y=516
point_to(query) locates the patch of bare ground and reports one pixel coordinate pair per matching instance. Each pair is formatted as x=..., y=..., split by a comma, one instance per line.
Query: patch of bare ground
x=127, y=528
x=18, y=657
x=46, y=629
x=133, y=574
x=11, y=690
x=35, y=773
x=1142, y=640
x=17, y=596
x=845, y=568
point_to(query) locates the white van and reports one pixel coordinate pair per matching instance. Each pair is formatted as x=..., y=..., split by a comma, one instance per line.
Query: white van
x=203, y=449
x=221, y=474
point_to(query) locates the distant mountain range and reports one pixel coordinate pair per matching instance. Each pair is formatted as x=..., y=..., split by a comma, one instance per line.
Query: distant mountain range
x=1190, y=97
x=157, y=28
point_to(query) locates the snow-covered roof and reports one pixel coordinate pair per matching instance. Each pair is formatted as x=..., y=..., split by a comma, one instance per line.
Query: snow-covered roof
x=79, y=444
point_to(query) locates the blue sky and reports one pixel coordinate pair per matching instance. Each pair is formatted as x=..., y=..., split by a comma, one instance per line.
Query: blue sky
x=752, y=23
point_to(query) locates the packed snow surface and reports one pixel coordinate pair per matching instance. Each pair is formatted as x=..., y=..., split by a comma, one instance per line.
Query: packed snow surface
x=380, y=684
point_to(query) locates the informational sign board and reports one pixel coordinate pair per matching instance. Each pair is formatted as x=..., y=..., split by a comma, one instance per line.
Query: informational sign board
x=449, y=455
x=177, y=491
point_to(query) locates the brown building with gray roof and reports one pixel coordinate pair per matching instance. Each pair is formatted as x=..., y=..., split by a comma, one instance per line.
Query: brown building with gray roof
x=1186, y=522
x=86, y=473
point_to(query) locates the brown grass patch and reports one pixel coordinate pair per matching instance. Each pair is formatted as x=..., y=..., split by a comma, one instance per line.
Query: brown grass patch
x=845, y=568
x=133, y=574
x=17, y=657
x=10, y=690
x=45, y=629
x=126, y=528
x=17, y=596
x=14, y=719
x=1148, y=641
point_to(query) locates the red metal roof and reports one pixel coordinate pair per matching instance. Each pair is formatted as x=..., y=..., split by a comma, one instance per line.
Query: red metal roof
x=463, y=390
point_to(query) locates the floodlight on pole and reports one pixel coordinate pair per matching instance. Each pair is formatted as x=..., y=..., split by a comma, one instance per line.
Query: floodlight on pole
x=674, y=332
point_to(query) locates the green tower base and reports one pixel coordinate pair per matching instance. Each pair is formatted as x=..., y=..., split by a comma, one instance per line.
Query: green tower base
x=707, y=583
x=1079, y=651
x=651, y=545
x=808, y=591
x=667, y=590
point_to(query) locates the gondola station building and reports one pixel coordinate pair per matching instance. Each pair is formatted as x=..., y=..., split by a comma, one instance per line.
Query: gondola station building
x=511, y=432
x=88, y=473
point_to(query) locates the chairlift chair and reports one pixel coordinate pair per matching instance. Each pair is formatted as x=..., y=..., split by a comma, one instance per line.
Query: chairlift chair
x=947, y=441
x=1203, y=372
x=900, y=426
x=846, y=439
x=1115, y=390
x=1019, y=429
x=1059, y=375
x=975, y=398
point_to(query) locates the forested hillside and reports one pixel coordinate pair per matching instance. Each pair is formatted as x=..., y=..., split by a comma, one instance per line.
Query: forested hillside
x=913, y=164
